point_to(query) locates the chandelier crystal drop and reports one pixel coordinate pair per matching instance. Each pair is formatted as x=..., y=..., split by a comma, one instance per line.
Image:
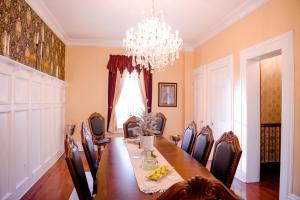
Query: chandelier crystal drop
x=152, y=45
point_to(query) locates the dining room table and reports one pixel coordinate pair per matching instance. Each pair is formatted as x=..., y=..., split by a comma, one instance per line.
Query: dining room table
x=116, y=178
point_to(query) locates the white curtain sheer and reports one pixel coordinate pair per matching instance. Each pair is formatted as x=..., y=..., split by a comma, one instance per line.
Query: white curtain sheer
x=142, y=89
x=131, y=99
x=119, y=87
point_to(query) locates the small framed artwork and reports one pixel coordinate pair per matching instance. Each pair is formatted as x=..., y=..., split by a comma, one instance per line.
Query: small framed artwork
x=167, y=94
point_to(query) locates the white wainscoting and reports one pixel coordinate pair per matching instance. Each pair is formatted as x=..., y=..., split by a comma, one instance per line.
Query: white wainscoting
x=32, y=106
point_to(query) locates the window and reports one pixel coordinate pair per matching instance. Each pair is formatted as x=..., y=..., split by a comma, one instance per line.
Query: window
x=130, y=102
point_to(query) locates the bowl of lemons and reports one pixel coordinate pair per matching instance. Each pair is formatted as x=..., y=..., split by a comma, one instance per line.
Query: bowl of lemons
x=159, y=173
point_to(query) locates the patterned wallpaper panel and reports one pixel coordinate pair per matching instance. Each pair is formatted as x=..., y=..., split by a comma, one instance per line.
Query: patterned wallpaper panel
x=271, y=90
x=25, y=38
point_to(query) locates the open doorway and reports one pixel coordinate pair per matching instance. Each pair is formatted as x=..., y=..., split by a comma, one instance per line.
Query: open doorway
x=248, y=122
x=270, y=121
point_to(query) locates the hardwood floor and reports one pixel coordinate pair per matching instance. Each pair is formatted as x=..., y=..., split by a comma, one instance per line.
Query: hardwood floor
x=57, y=184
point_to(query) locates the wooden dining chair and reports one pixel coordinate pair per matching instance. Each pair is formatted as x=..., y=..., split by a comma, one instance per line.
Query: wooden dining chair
x=128, y=127
x=203, y=144
x=160, y=123
x=70, y=129
x=189, y=137
x=227, y=154
x=97, y=127
x=76, y=169
x=198, y=188
x=89, y=151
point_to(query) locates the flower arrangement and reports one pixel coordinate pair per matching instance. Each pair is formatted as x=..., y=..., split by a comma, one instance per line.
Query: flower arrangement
x=146, y=124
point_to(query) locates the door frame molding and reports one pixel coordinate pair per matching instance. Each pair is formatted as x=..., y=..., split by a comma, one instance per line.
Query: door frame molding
x=283, y=43
x=203, y=71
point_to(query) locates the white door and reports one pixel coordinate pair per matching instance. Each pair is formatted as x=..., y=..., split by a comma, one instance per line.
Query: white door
x=219, y=96
x=200, y=97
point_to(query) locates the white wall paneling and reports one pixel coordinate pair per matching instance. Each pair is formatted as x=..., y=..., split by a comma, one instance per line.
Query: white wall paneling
x=31, y=126
x=4, y=154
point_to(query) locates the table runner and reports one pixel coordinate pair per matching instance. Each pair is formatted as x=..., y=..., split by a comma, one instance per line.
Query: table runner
x=145, y=185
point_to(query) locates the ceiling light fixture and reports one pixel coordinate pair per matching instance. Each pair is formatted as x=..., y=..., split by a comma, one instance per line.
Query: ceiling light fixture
x=152, y=45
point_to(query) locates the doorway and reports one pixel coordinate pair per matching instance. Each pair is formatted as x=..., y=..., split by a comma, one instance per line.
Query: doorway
x=270, y=120
x=249, y=120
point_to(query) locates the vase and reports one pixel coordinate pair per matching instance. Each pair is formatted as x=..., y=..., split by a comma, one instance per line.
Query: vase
x=147, y=142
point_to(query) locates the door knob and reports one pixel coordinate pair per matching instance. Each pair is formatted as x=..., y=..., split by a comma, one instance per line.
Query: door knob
x=201, y=121
x=211, y=123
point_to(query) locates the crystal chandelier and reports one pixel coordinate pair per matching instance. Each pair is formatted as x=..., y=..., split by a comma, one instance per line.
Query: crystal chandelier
x=152, y=45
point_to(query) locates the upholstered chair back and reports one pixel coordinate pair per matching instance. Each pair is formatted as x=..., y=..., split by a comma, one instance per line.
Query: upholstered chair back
x=89, y=150
x=189, y=137
x=97, y=125
x=227, y=154
x=160, y=123
x=129, y=126
x=203, y=145
x=76, y=169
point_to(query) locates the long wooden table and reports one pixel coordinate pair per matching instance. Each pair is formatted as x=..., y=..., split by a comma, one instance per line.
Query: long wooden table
x=115, y=176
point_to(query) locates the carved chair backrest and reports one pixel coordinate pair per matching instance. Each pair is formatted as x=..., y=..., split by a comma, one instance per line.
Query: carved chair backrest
x=88, y=147
x=199, y=188
x=189, y=137
x=97, y=125
x=76, y=169
x=128, y=127
x=203, y=144
x=160, y=122
x=227, y=154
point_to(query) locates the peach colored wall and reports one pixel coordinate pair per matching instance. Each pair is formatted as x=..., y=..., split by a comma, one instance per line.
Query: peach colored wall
x=274, y=18
x=175, y=115
x=86, y=76
x=189, y=60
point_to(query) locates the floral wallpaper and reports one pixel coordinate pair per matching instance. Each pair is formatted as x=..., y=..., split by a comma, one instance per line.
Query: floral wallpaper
x=271, y=90
x=270, y=109
x=25, y=38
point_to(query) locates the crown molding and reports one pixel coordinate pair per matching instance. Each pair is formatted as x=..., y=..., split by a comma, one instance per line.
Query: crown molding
x=93, y=42
x=245, y=9
x=187, y=47
x=109, y=43
x=46, y=15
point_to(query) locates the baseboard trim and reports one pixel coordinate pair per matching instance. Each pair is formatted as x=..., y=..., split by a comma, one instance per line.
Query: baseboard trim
x=293, y=196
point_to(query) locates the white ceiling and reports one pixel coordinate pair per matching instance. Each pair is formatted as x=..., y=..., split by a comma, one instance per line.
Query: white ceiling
x=104, y=22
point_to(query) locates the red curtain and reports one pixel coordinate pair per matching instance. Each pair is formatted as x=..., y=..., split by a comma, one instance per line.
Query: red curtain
x=120, y=63
x=112, y=78
x=148, y=88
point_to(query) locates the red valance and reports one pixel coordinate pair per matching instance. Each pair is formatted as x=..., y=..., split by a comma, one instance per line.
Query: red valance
x=121, y=62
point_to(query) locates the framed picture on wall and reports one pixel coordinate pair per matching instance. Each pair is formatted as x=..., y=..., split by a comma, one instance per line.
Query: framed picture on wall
x=167, y=94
